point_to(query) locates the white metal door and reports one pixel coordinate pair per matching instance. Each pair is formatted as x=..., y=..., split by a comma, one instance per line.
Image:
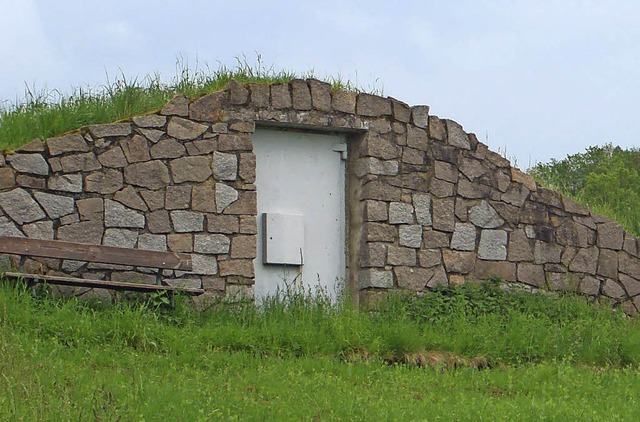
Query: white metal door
x=300, y=181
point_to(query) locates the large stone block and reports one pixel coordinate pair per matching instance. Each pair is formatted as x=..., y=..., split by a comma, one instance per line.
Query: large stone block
x=120, y=238
x=445, y=171
x=191, y=169
x=398, y=255
x=211, y=243
x=300, y=94
x=472, y=168
x=237, y=267
x=629, y=265
x=410, y=235
x=381, y=191
x=204, y=264
x=456, y=136
x=167, y=148
x=39, y=230
x=375, y=211
x=344, y=101
x=184, y=129
x=429, y=258
x=610, y=236
x=320, y=94
x=519, y=247
x=417, y=138
x=400, y=213
x=207, y=107
x=203, y=198
x=113, y=157
x=531, y=274
x=177, y=197
x=151, y=175
x=20, y=206
x=152, y=120
x=225, y=196
x=459, y=262
x=29, y=163
x=105, y=181
x=226, y=224
x=90, y=209
x=483, y=215
x=373, y=106
x=243, y=247
x=66, y=183
x=55, y=206
x=280, y=96
x=8, y=228
x=590, y=286
x=73, y=142
x=585, y=261
x=225, y=166
x=373, y=254
x=238, y=94
x=187, y=221
x=435, y=239
x=545, y=252
x=443, y=214
x=422, y=207
x=110, y=130
x=379, y=146
x=493, y=245
x=130, y=198
x=413, y=278
x=83, y=232
x=464, y=237
x=375, y=278
x=489, y=269
x=608, y=263
x=117, y=215
x=158, y=222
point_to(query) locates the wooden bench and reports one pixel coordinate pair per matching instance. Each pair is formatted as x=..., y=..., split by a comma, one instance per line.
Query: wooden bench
x=98, y=254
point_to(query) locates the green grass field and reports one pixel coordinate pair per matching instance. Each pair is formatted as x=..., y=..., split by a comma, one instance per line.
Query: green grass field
x=473, y=353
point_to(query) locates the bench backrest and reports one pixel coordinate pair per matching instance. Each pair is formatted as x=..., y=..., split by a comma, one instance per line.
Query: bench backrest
x=95, y=253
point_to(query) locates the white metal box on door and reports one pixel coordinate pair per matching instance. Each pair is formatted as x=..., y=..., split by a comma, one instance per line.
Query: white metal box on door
x=300, y=182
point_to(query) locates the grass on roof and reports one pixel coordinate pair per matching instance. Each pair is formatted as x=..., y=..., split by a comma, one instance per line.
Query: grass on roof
x=46, y=113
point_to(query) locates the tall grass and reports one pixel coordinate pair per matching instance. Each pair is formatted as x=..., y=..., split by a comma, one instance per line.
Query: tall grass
x=44, y=113
x=469, y=322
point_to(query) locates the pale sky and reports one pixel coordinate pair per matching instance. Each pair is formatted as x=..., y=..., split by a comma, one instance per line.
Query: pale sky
x=541, y=79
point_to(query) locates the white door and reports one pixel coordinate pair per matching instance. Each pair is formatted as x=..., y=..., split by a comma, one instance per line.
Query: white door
x=300, y=181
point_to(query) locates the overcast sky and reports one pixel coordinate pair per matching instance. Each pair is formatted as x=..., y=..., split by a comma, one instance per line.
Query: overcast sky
x=541, y=79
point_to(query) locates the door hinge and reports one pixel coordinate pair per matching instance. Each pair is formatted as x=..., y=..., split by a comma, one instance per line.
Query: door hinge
x=342, y=149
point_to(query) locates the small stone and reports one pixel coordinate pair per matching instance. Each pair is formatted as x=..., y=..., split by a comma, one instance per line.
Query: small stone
x=490, y=269
x=248, y=224
x=130, y=197
x=301, y=95
x=484, y=216
x=375, y=211
x=177, y=197
x=573, y=207
x=152, y=120
x=373, y=105
x=344, y=101
x=464, y=237
x=372, y=165
x=520, y=177
x=613, y=290
x=82, y=232
x=237, y=267
x=201, y=147
x=585, y=261
x=153, y=199
x=444, y=214
x=207, y=107
x=493, y=245
x=8, y=228
x=227, y=224
x=531, y=274
x=120, y=238
x=135, y=149
x=243, y=247
x=608, y=263
x=225, y=166
x=104, y=182
x=320, y=94
x=247, y=204
x=180, y=242
x=400, y=213
x=113, y=157
x=117, y=215
x=184, y=129
x=204, y=264
x=73, y=142
x=574, y=234
x=515, y=195
x=152, y=242
x=151, y=175
x=187, y=221
x=66, y=183
x=91, y=209
x=445, y=171
x=110, y=130
x=373, y=254
x=55, y=206
x=280, y=96
x=152, y=134
x=211, y=243
x=381, y=191
x=191, y=169
x=20, y=206
x=203, y=198
x=422, y=206
x=177, y=106
x=420, y=115
x=411, y=235
x=7, y=177
x=417, y=138
x=377, y=232
x=39, y=230
x=35, y=145
x=379, y=146
x=397, y=255
x=158, y=222
x=429, y=257
x=590, y=286
x=544, y=252
x=238, y=94
x=225, y=196
x=456, y=135
x=435, y=239
x=610, y=236
x=372, y=278
x=168, y=148
x=80, y=162
x=247, y=167
x=519, y=247
x=29, y=163
x=458, y=262
x=411, y=278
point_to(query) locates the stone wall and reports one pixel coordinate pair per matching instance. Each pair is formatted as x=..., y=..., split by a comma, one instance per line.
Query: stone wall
x=427, y=203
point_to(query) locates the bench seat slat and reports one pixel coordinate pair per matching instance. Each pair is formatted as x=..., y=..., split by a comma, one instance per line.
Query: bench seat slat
x=114, y=285
x=95, y=253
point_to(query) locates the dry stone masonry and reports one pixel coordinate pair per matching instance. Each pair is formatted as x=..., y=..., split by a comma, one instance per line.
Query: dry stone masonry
x=427, y=203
